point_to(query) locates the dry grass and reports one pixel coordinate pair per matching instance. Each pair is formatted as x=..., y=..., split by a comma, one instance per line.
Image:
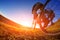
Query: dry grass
x=9, y=32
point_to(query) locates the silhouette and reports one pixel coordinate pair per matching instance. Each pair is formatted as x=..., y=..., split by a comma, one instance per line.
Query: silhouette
x=44, y=16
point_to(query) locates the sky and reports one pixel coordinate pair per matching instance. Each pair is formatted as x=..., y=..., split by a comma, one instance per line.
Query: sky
x=20, y=11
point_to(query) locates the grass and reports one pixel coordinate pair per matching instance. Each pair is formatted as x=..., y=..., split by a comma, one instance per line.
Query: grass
x=9, y=32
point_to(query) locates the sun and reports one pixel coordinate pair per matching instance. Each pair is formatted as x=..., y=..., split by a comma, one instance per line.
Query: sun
x=28, y=24
x=25, y=23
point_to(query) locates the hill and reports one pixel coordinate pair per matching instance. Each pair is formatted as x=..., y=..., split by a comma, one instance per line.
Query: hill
x=7, y=21
x=55, y=27
x=10, y=30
